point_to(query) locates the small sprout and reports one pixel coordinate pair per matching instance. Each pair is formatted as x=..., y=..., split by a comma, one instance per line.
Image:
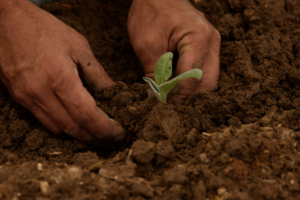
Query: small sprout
x=163, y=71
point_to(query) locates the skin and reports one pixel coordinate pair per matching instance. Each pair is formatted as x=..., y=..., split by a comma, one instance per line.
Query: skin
x=159, y=26
x=40, y=60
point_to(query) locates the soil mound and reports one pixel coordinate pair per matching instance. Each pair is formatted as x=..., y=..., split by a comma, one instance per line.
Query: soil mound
x=239, y=142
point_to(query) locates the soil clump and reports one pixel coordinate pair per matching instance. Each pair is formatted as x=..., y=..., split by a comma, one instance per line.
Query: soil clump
x=239, y=142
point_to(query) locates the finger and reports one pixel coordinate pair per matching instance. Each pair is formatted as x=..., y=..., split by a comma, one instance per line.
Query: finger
x=49, y=109
x=149, y=68
x=82, y=108
x=91, y=71
x=42, y=117
x=85, y=137
x=53, y=115
x=211, y=72
x=192, y=53
x=200, y=52
x=210, y=67
x=158, y=41
x=36, y=110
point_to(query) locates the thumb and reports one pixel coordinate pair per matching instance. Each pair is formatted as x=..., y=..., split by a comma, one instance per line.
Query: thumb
x=149, y=72
x=187, y=86
x=200, y=51
x=149, y=69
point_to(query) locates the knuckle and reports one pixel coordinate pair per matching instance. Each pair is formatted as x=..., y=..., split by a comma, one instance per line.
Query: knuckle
x=201, y=14
x=173, y=41
x=56, y=131
x=55, y=75
x=207, y=30
x=58, y=80
x=202, y=27
x=189, y=85
x=18, y=95
x=82, y=42
x=217, y=36
x=71, y=129
x=8, y=72
x=146, y=48
x=138, y=46
x=33, y=90
x=82, y=115
x=141, y=44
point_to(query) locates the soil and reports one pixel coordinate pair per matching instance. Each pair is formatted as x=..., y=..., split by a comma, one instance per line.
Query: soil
x=239, y=142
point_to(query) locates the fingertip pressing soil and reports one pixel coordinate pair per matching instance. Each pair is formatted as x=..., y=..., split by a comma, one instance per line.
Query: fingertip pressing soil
x=239, y=142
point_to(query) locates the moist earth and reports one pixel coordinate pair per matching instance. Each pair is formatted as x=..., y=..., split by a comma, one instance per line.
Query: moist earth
x=238, y=142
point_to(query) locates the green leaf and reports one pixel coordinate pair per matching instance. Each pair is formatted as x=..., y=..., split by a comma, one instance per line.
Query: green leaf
x=163, y=68
x=167, y=86
x=154, y=87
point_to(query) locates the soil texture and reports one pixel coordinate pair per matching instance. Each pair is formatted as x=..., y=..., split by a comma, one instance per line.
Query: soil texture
x=240, y=142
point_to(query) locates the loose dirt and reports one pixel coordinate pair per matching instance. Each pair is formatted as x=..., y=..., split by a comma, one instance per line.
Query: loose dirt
x=239, y=142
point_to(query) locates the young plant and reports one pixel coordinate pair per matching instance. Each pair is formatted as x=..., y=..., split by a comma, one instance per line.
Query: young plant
x=163, y=71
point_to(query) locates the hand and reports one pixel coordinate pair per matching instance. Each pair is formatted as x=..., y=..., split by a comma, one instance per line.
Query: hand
x=39, y=61
x=159, y=26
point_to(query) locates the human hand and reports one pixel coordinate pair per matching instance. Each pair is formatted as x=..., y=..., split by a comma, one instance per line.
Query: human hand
x=40, y=58
x=159, y=26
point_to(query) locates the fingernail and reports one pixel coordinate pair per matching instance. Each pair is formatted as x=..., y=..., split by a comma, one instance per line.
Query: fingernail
x=150, y=92
x=119, y=131
x=74, y=135
x=119, y=138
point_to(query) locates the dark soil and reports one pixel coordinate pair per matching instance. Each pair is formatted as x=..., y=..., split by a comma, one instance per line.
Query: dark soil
x=240, y=142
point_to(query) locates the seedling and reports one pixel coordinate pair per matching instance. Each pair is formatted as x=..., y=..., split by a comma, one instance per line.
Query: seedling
x=163, y=71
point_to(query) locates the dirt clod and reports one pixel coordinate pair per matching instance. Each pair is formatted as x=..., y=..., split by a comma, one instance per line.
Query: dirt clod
x=240, y=142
